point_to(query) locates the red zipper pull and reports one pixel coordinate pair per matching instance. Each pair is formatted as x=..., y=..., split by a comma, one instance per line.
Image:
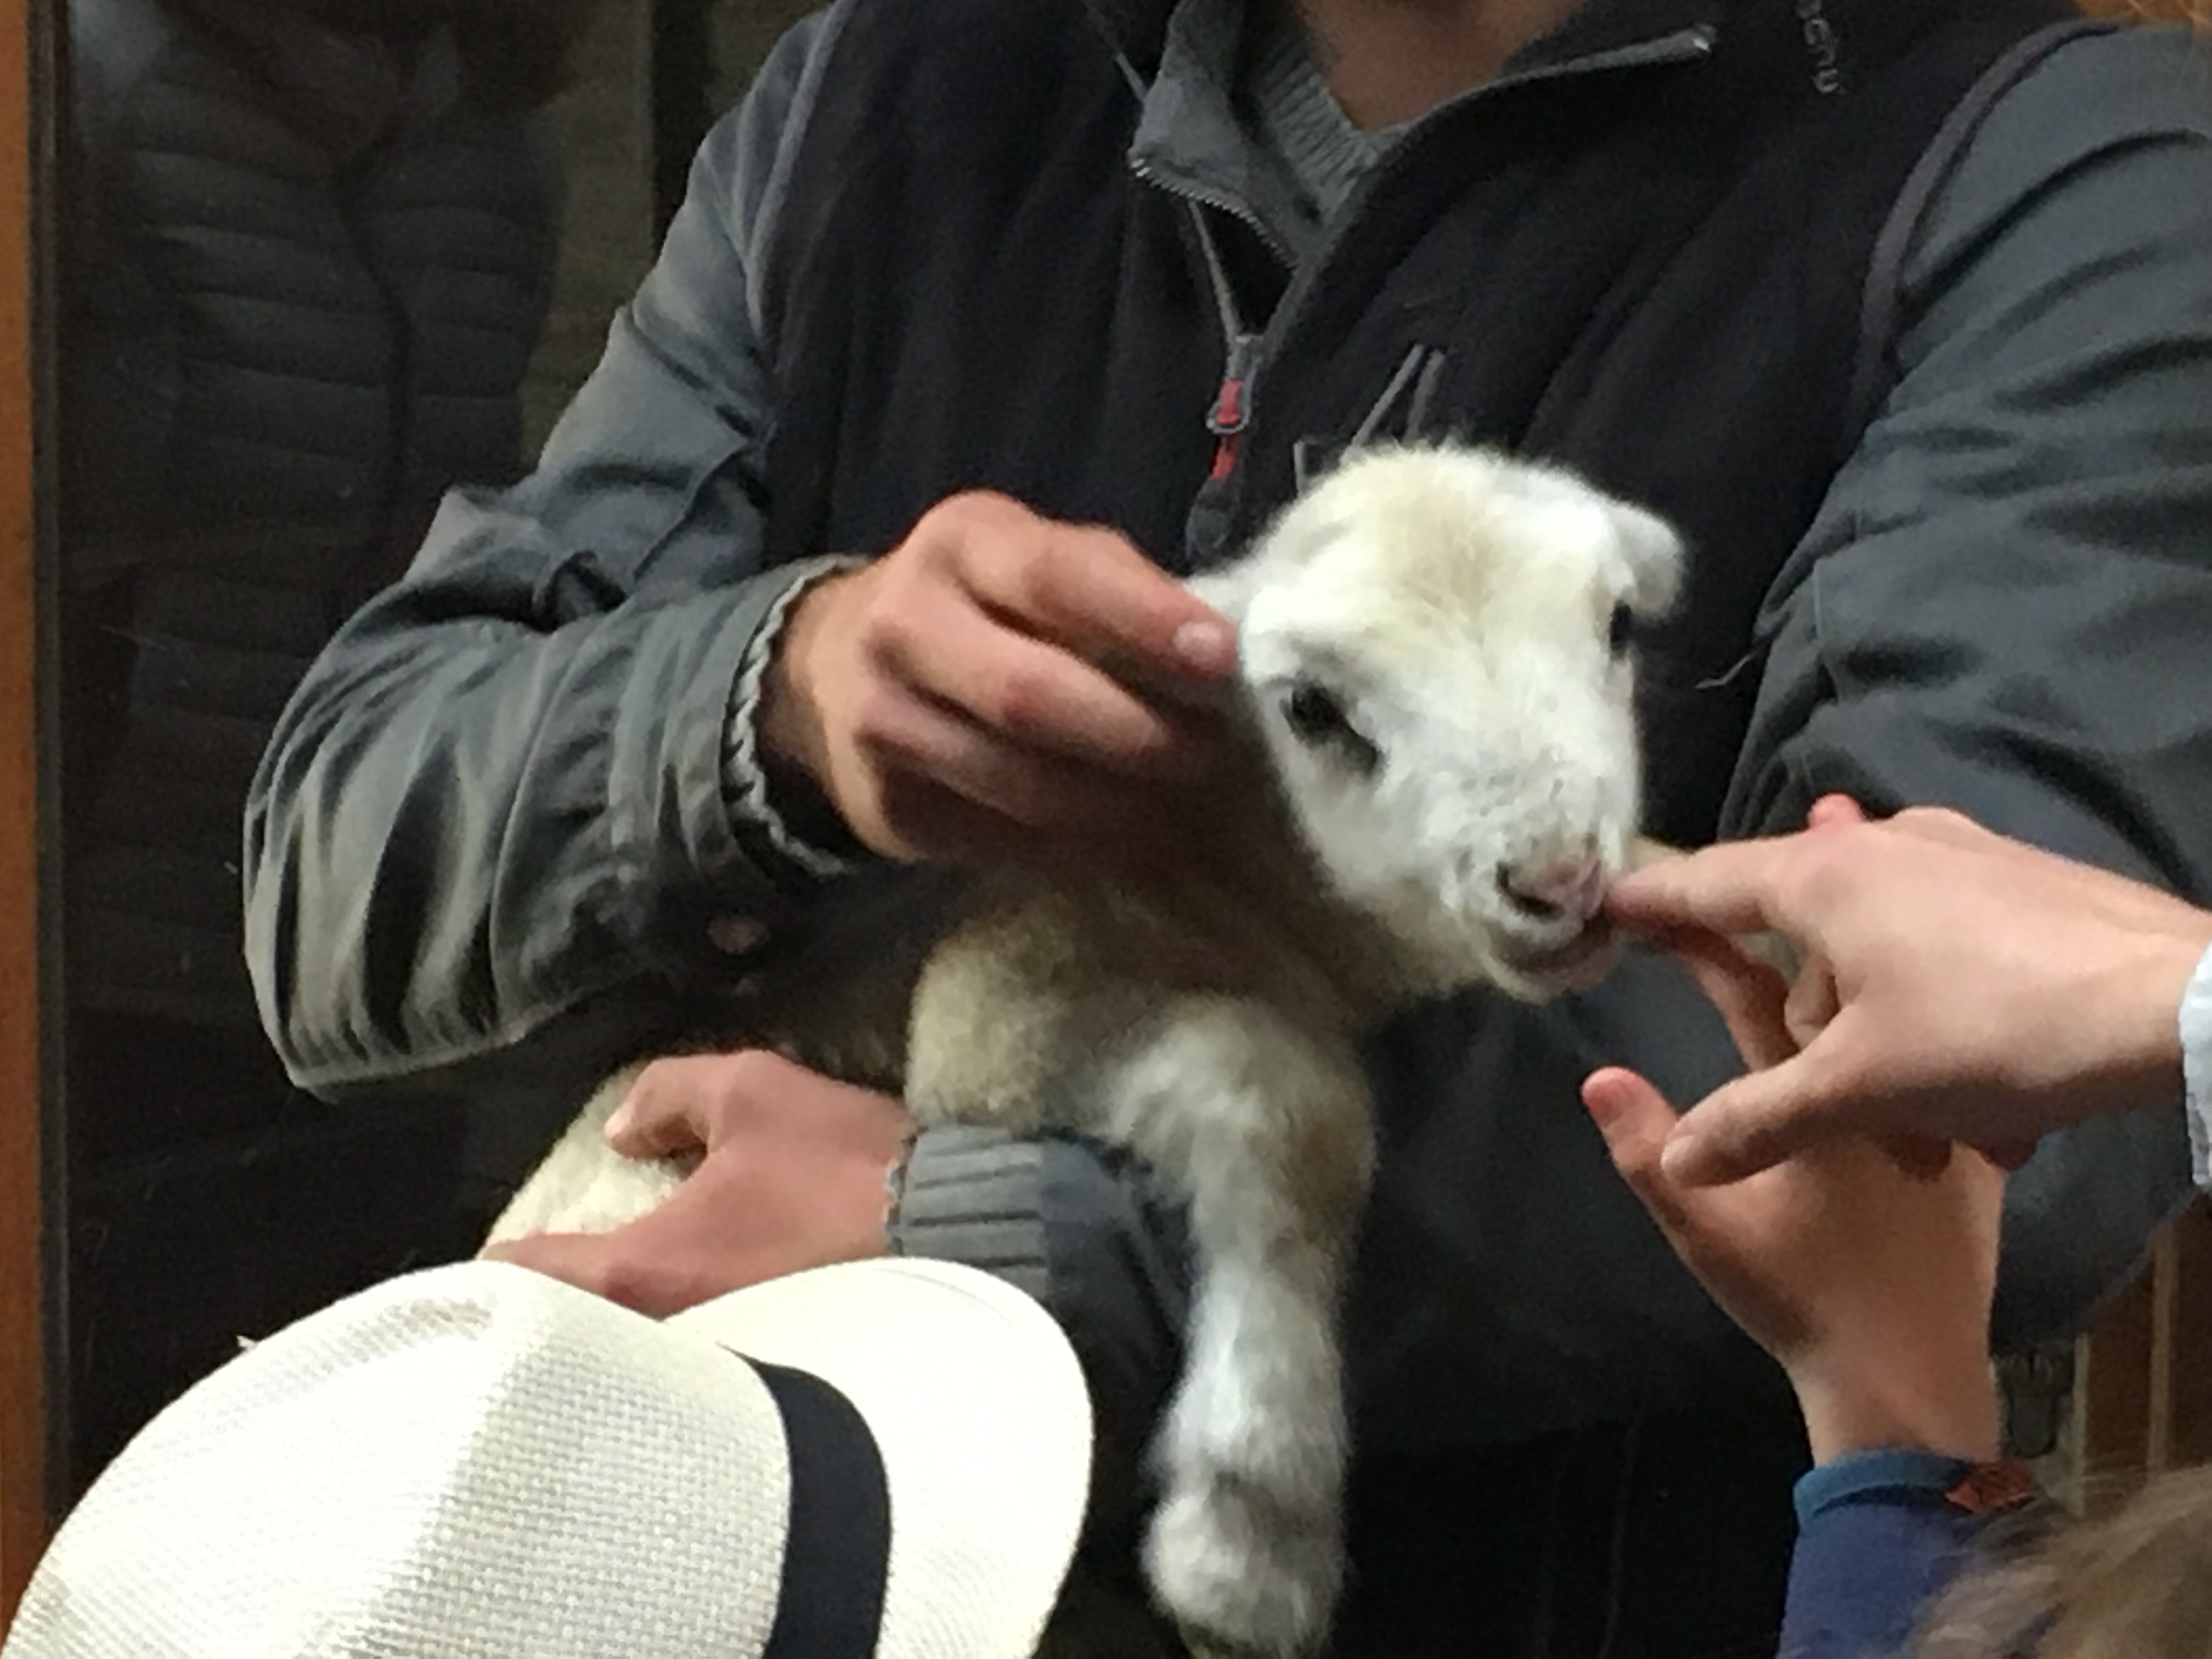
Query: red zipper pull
x=1232, y=408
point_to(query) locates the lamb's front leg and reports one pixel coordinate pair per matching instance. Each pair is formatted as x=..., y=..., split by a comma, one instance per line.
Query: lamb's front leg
x=1268, y=1130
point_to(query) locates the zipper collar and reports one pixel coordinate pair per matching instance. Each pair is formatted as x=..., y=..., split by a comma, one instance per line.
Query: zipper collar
x=1602, y=34
x=1139, y=30
x=1188, y=139
x=1190, y=142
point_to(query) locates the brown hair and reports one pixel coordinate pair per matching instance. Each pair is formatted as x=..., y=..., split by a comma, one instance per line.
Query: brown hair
x=2137, y=1585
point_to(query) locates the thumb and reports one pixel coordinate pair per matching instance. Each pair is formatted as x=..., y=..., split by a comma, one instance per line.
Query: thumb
x=1635, y=1120
x=666, y=1111
x=1752, y=1123
x=1750, y=995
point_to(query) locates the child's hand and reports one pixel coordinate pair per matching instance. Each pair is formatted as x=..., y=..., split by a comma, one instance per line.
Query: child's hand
x=1867, y=1279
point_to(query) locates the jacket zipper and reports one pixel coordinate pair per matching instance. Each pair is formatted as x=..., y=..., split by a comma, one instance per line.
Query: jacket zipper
x=1231, y=408
x=1200, y=196
x=1232, y=405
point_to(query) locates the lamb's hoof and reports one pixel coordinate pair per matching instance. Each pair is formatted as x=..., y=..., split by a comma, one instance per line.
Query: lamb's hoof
x=1242, y=1579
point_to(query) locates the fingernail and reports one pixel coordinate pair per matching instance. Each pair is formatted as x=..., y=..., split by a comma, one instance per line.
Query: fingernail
x=1206, y=646
x=619, y=1120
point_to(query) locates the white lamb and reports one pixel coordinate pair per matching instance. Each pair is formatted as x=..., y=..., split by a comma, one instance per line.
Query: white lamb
x=1439, y=781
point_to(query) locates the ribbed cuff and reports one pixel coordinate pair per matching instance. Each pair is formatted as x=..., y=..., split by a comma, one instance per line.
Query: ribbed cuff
x=745, y=790
x=2197, y=1067
x=974, y=1195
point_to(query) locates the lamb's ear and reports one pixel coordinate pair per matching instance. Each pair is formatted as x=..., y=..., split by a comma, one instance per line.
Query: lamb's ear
x=1653, y=557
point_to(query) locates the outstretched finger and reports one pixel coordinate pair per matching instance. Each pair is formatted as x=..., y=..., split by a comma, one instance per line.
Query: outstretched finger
x=1732, y=888
x=1636, y=1122
x=1749, y=994
x=1953, y=829
x=1752, y=1123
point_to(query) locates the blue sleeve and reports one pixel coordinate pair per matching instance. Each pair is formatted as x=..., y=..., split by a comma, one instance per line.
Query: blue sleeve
x=1877, y=1542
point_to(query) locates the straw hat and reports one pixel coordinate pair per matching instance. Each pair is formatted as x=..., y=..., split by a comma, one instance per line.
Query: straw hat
x=887, y=1457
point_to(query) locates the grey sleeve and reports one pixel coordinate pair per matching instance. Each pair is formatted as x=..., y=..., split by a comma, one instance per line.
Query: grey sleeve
x=2006, y=602
x=511, y=786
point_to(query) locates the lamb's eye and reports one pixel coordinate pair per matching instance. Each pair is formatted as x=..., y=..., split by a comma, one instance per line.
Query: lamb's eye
x=1620, y=632
x=1313, y=713
x=1317, y=718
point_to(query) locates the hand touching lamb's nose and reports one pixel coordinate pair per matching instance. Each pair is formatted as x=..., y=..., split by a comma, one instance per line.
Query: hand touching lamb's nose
x=1958, y=986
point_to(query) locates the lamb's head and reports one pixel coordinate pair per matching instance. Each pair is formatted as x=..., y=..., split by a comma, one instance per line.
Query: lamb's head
x=1437, y=643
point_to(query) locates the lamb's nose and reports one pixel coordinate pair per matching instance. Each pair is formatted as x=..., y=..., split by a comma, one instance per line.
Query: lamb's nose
x=1559, y=890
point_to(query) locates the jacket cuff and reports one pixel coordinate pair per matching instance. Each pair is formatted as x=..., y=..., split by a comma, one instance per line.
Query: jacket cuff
x=974, y=1195
x=787, y=826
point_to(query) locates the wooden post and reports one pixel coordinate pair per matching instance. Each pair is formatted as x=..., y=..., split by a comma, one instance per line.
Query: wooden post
x=2180, y=1430
x=22, y=1421
x=2140, y=1403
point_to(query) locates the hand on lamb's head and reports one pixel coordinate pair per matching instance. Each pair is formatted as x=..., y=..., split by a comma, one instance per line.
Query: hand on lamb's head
x=960, y=699
x=1438, y=644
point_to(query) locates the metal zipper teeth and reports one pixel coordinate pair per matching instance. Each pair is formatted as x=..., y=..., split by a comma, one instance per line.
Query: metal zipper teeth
x=1144, y=171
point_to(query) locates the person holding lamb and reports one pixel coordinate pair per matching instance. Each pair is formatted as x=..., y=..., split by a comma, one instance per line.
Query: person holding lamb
x=983, y=324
